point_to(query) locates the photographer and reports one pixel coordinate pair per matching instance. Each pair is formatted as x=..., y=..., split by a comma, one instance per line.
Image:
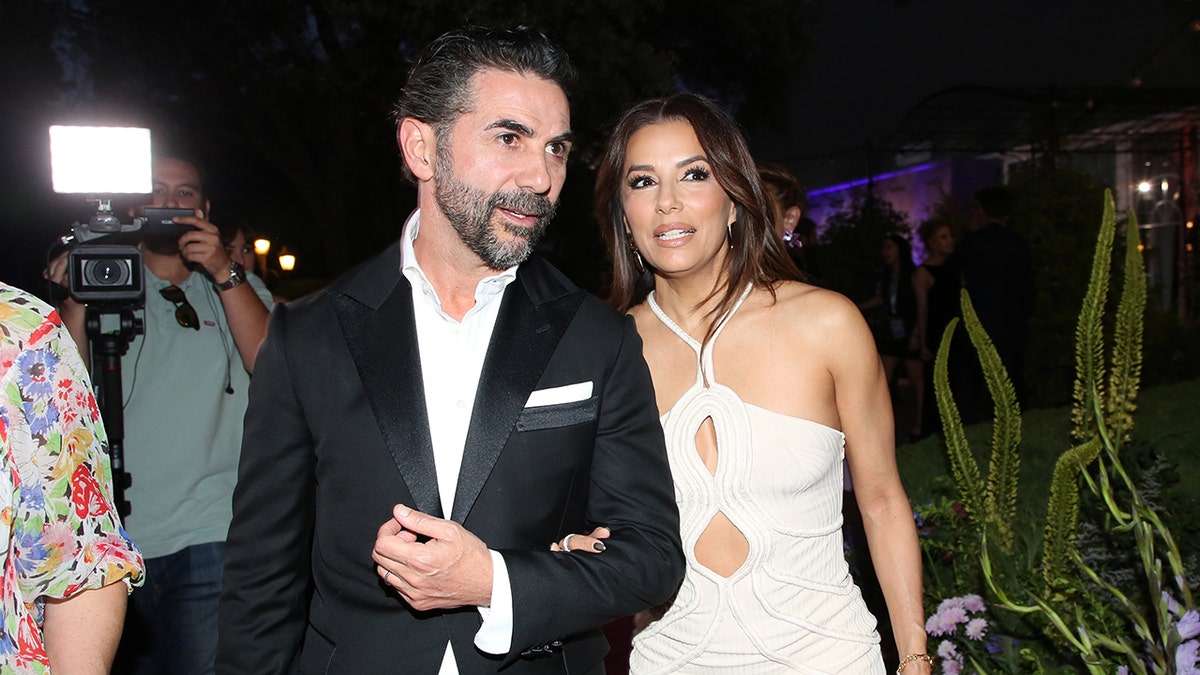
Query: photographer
x=185, y=381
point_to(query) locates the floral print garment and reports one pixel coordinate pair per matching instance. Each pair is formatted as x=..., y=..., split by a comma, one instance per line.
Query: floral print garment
x=59, y=531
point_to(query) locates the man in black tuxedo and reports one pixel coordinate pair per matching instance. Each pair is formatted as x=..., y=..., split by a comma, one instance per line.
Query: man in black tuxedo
x=422, y=430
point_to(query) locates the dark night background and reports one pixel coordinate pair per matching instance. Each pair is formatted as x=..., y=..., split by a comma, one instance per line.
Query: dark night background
x=286, y=103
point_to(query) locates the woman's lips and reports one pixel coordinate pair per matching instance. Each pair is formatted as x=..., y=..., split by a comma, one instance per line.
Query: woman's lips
x=668, y=233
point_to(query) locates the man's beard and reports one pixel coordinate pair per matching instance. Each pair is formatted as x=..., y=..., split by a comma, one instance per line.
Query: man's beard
x=470, y=212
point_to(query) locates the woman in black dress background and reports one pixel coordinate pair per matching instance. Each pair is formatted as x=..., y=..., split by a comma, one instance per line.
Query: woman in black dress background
x=936, y=285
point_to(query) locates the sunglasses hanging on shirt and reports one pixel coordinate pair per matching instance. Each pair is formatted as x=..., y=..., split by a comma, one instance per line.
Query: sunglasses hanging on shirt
x=185, y=314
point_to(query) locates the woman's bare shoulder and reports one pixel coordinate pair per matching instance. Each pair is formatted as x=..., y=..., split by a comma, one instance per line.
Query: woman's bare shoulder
x=810, y=304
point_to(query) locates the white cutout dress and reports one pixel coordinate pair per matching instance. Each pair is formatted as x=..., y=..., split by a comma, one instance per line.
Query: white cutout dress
x=792, y=605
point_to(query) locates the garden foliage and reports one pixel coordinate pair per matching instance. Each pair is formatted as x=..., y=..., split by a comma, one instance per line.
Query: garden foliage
x=1069, y=615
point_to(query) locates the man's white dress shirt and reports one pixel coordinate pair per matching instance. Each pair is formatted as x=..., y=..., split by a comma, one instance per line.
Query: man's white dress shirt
x=452, y=354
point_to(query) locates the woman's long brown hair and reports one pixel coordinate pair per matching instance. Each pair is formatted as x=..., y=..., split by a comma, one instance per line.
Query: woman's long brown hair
x=757, y=256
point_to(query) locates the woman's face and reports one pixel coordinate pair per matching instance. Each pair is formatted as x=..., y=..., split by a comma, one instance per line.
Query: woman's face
x=942, y=241
x=890, y=252
x=675, y=210
x=241, y=251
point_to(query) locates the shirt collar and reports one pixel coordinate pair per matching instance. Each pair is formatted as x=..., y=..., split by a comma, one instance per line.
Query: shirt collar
x=488, y=287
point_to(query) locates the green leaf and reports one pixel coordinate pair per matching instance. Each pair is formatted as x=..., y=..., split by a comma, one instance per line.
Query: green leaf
x=1089, y=332
x=1004, y=466
x=963, y=466
x=1125, y=377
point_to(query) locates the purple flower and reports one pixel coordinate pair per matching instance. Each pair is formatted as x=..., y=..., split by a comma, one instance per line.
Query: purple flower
x=973, y=603
x=955, y=615
x=1170, y=603
x=947, y=651
x=951, y=667
x=1123, y=670
x=948, y=603
x=937, y=625
x=977, y=628
x=1189, y=625
x=1185, y=658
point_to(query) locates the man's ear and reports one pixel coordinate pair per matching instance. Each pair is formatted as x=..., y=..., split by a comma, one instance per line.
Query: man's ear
x=418, y=144
x=791, y=217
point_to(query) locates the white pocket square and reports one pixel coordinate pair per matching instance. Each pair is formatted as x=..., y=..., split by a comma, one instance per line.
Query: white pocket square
x=568, y=393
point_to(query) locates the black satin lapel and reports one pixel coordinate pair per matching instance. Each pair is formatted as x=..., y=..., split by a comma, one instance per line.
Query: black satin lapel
x=523, y=341
x=384, y=346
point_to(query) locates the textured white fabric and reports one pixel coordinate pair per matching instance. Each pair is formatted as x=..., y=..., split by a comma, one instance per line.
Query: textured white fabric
x=792, y=605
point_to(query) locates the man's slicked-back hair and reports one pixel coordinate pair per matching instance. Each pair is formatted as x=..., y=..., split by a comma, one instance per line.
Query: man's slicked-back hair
x=439, y=83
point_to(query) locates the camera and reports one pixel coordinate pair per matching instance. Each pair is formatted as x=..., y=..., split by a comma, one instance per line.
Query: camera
x=103, y=161
x=159, y=223
x=112, y=273
x=105, y=273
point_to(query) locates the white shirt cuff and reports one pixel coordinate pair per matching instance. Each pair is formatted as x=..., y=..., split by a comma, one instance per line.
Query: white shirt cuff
x=495, y=636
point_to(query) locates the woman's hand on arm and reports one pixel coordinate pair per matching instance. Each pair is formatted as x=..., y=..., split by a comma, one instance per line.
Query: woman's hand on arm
x=588, y=543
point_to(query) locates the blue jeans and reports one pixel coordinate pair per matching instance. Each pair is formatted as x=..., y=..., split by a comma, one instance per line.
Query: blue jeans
x=177, y=608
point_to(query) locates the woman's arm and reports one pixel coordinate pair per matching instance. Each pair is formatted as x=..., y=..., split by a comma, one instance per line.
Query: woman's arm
x=865, y=410
x=81, y=632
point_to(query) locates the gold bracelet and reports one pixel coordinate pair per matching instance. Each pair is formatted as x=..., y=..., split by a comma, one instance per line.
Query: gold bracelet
x=914, y=657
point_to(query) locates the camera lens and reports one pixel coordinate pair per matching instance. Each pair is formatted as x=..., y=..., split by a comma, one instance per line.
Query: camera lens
x=106, y=272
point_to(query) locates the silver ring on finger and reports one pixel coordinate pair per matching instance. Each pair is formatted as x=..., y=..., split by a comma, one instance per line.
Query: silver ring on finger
x=386, y=574
x=566, y=542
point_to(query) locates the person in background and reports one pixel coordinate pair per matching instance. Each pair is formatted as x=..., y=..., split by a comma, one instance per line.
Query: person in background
x=239, y=246
x=998, y=277
x=185, y=381
x=798, y=233
x=64, y=553
x=763, y=383
x=787, y=197
x=896, y=330
x=238, y=240
x=936, y=285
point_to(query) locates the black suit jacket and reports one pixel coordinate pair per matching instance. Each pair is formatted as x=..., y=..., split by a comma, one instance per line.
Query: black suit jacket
x=998, y=277
x=336, y=434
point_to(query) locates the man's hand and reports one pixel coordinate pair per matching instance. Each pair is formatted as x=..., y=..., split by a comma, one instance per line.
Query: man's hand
x=452, y=569
x=73, y=313
x=56, y=272
x=203, y=246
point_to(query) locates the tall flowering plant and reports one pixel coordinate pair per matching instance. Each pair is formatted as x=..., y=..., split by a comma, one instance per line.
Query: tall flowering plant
x=1108, y=628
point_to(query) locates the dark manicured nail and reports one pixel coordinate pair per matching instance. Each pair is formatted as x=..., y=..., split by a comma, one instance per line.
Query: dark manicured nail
x=599, y=546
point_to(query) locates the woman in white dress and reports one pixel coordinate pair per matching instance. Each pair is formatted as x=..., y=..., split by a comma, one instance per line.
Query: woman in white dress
x=764, y=383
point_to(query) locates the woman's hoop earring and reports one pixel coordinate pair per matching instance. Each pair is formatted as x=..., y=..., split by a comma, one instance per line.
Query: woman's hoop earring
x=729, y=229
x=637, y=255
